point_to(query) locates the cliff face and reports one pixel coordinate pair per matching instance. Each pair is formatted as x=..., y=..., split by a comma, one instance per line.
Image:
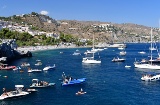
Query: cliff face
x=8, y=50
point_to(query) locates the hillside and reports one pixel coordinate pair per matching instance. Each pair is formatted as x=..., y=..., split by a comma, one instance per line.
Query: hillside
x=103, y=31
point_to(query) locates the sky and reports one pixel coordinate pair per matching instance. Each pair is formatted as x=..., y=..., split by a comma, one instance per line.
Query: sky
x=141, y=12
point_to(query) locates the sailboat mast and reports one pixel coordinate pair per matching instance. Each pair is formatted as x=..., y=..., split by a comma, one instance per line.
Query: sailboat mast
x=93, y=41
x=151, y=45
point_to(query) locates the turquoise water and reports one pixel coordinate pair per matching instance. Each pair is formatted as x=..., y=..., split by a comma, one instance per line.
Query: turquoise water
x=108, y=83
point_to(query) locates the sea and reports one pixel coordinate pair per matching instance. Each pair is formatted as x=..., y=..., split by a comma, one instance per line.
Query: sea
x=108, y=83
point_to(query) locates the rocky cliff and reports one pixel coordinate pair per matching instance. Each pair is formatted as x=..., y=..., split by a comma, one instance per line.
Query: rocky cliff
x=8, y=50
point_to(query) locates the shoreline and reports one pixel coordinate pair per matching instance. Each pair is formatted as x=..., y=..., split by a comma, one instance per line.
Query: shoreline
x=43, y=48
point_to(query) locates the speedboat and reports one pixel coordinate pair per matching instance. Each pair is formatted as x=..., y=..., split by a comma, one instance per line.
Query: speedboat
x=6, y=67
x=49, y=67
x=76, y=53
x=68, y=80
x=34, y=70
x=118, y=60
x=127, y=66
x=17, y=68
x=38, y=63
x=151, y=77
x=38, y=84
x=25, y=64
x=122, y=53
x=31, y=90
x=142, y=52
x=18, y=92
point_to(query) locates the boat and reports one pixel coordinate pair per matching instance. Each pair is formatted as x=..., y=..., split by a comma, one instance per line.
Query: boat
x=38, y=63
x=17, y=68
x=151, y=77
x=68, y=80
x=118, y=59
x=39, y=84
x=81, y=92
x=34, y=70
x=148, y=65
x=122, y=53
x=6, y=67
x=18, y=92
x=127, y=66
x=91, y=60
x=121, y=48
x=76, y=52
x=49, y=67
x=89, y=52
x=142, y=52
x=25, y=64
x=117, y=45
x=31, y=90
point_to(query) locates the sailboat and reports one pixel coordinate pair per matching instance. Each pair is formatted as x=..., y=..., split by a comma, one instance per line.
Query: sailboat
x=148, y=65
x=91, y=60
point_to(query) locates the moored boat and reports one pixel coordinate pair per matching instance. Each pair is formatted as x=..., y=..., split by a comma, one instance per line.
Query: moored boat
x=18, y=92
x=49, y=67
x=151, y=77
x=39, y=84
x=81, y=92
x=68, y=80
x=118, y=59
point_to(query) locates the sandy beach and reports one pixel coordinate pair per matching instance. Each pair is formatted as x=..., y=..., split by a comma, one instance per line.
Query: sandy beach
x=41, y=48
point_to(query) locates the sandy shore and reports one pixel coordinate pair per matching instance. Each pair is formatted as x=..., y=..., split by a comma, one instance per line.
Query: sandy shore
x=41, y=48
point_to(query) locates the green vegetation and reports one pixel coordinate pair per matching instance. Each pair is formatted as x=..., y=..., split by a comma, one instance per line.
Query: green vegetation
x=25, y=39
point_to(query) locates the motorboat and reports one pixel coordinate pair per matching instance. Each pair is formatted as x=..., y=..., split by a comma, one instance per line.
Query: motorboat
x=17, y=68
x=34, y=70
x=31, y=90
x=76, y=52
x=6, y=67
x=151, y=77
x=68, y=80
x=142, y=52
x=121, y=48
x=38, y=63
x=81, y=92
x=18, y=92
x=49, y=67
x=122, y=53
x=127, y=66
x=25, y=64
x=38, y=84
x=90, y=60
x=118, y=59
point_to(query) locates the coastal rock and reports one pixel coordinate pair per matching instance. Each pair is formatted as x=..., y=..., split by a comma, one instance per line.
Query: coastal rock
x=8, y=49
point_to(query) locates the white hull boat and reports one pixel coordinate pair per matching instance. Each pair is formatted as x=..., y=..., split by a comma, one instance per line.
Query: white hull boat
x=14, y=94
x=151, y=77
x=49, y=67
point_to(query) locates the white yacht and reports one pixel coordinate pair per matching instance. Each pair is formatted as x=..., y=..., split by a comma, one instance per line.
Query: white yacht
x=18, y=92
x=151, y=77
x=90, y=60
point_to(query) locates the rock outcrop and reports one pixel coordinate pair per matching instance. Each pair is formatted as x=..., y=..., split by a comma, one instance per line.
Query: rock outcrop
x=8, y=50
